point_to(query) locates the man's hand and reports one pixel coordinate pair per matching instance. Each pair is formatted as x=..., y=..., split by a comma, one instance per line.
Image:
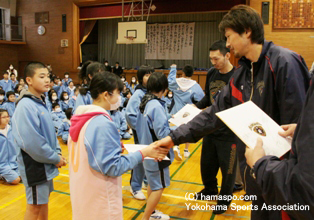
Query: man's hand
x=62, y=162
x=253, y=155
x=288, y=130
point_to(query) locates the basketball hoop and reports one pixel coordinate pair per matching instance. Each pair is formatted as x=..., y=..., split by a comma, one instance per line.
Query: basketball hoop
x=130, y=38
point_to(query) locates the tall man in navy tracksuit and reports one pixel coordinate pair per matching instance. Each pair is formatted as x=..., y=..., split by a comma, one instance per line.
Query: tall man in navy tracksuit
x=274, y=78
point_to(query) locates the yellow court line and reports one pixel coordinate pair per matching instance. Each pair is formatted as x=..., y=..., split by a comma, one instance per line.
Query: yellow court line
x=12, y=201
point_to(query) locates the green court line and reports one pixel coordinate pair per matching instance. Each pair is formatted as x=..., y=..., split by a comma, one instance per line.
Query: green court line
x=184, y=162
x=58, y=191
x=212, y=217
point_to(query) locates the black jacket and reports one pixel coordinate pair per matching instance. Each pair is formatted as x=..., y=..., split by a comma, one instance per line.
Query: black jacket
x=292, y=181
x=278, y=86
x=118, y=71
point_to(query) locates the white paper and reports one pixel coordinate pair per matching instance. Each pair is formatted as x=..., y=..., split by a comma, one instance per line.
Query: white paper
x=186, y=114
x=249, y=122
x=131, y=148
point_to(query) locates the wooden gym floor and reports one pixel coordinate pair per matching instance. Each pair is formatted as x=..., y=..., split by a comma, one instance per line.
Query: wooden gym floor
x=185, y=178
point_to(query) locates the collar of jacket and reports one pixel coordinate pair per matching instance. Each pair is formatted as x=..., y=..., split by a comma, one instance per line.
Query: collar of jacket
x=141, y=87
x=247, y=63
x=26, y=93
x=148, y=97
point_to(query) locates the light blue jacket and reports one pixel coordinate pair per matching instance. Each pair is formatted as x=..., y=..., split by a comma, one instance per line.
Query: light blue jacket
x=6, y=86
x=132, y=89
x=120, y=121
x=57, y=118
x=7, y=153
x=103, y=147
x=10, y=107
x=181, y=98
x=132, y=109
x=35, y=141
x=154, y=119
x=83, y=100
x=64, y=106
x=66, y=83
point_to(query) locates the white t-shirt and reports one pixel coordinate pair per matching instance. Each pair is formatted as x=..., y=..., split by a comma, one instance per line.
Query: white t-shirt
x=5, y=130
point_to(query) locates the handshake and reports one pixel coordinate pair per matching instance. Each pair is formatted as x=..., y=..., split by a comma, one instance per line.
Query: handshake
x=63, y=162
x=158, y=149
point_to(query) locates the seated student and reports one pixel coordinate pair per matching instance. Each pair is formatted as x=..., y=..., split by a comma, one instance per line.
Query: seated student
x=6, y=83
x=152, y=124
x=57, y=115
x=64, y=128
x=11, y=70
x=117, y=69
x=64, y=101
x=13, y=80
x=17, y=90
x=52, y=99
x=9, y=105
x=185, y=91
x=133, y=84
x=73, y=98
x=2, y=99
x=119, y=119
x=22, y=82
x=85, y=82
x=8, y=165
x=66, y=79
x=71, y=88
x=122, y=77
x=169, y=98
x=95, y=138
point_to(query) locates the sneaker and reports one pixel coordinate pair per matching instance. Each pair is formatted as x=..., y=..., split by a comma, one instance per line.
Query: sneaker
x=177, y=154
x=144, y=186
x=204, y=194
x=159, y=215
x=138, y=195
x=186, y=153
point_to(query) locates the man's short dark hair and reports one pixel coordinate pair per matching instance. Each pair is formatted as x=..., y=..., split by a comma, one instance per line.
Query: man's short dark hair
x=157, y=82
x=242, y=18
x=10, y=93
x=66, y=73
x=188, y=70
x=12, y=74
x=2, y=92
x=117, y=62
x=221, y=46
x=5, y=72
x=30, y=68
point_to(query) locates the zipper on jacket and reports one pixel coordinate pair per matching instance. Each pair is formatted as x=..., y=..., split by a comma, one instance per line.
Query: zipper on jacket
x=252, y=85
x=245, y=178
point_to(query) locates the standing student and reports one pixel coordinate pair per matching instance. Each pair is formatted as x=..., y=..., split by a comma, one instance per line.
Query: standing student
x=11, y=70
x=119, y=119
x=274, y=78
x=107, y=66
x=9, y=104
x=185, y=91
x=132, y=110
x=117, y=69
x=152, y=124
x=6, y=83
x=8, y=165
x=96, y=164
x=39, y=153
x=87, y=72
x=219, y=148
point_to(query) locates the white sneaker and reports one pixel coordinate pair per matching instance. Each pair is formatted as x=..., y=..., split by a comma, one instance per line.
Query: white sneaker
x=186, y=153
x=138, y=195
x=177, y=154
x=159, y=215
x=144, y=186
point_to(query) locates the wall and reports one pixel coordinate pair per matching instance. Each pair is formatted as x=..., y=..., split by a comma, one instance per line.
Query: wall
x=8, y=55
x=47, y=48
x=299, y=40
